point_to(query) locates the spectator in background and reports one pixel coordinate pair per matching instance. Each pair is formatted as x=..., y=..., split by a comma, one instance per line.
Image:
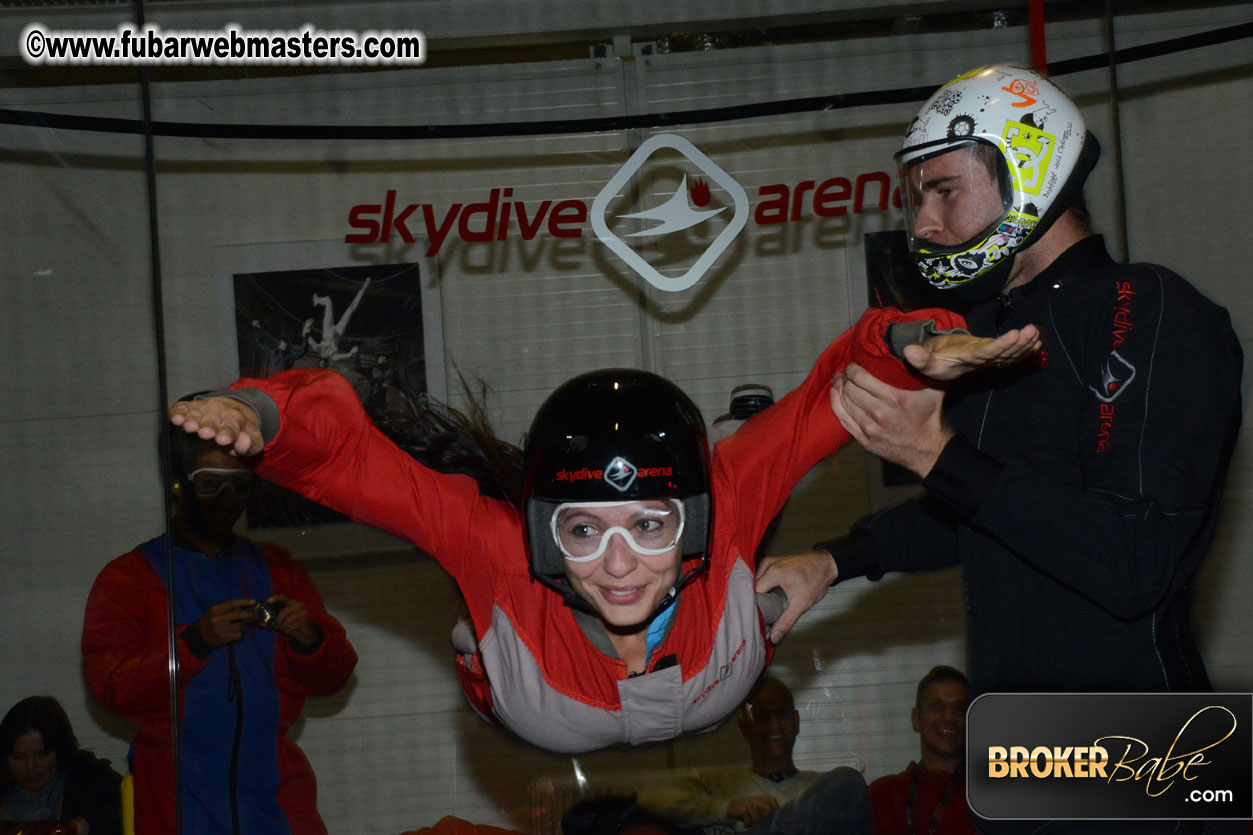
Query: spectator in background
x=772, y=796
x=929, y=797
x=49, y=778
x=244, y=669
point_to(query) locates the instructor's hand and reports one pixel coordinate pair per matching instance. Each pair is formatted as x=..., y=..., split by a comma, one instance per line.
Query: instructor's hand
x=229, y=422
x=904, y=427
x=804, y=577
x=948, y=356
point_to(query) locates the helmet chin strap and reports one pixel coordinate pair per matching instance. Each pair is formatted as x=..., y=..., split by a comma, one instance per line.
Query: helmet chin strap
x=989, y=285
x=683, y=582
x=568, y=595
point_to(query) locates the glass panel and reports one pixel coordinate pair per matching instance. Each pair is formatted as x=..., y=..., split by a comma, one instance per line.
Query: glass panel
x=79, y=421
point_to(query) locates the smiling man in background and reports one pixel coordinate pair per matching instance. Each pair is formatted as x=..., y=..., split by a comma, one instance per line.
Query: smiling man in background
x=930, y=795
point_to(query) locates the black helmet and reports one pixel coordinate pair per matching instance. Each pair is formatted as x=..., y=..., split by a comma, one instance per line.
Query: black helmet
x=617, y=434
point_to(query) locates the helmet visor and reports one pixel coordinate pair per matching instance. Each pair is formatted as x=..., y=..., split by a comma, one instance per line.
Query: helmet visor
x=954, y=196
x=582, y=530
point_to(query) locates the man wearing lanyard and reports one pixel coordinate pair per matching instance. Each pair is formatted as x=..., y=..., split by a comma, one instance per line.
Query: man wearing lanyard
x=929, y=797
x=772, y=797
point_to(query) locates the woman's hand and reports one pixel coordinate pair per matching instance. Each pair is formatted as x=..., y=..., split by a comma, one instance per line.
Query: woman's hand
x=229, y=422
x=947, y=356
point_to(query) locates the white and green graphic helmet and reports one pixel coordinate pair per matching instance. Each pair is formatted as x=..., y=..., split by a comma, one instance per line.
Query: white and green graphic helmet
x=1043, y=153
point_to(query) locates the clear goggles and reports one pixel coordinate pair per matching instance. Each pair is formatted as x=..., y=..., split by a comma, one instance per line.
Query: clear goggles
x=210, y=481
x=582, y=532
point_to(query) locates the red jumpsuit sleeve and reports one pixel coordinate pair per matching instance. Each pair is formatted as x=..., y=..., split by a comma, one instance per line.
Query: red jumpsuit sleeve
x=771, y=452
x=327, y=450
x=325, y=670
x=124, y=643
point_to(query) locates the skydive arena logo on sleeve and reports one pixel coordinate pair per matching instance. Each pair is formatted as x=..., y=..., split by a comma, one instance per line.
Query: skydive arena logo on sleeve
x=688, y=221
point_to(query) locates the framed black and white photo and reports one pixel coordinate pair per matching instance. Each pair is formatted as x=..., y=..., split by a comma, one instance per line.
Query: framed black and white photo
x=315, y=305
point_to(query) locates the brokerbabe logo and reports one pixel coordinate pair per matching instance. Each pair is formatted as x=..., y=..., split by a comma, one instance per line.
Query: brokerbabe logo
x=687, y=222
x=1110, y=755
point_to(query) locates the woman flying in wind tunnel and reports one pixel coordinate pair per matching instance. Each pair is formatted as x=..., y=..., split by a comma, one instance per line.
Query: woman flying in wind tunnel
x=615, y=602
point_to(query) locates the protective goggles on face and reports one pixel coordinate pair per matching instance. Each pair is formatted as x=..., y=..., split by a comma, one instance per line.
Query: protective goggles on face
x=654, y=528
x=210, y=481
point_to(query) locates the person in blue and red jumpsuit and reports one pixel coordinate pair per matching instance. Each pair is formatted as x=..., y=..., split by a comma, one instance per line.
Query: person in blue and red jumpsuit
x=241, y=683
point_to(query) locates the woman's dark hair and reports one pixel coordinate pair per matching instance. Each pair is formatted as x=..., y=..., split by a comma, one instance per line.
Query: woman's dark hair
x=43, y=714
x=449, y=441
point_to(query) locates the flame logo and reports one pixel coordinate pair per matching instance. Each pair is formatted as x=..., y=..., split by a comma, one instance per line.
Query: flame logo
x=1116, y=375
x=675, y=214
x=700, y=194
x=1025, y=90
x=620, y=474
